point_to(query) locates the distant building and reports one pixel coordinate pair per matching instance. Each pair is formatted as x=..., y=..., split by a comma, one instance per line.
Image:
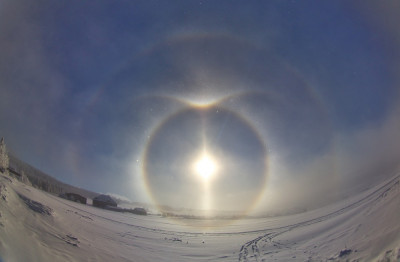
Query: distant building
x=74, y=197
x=139, y=211
x=104, y=201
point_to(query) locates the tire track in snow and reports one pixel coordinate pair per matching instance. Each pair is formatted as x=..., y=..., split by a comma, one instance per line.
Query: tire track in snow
x=250, y=251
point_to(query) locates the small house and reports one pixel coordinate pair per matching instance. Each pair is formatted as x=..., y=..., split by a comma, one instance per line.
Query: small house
x=74, y=197
x=104, y=201
x=139, y=211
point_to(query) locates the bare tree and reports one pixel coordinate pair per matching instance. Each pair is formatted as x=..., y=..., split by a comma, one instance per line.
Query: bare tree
x=4, y=161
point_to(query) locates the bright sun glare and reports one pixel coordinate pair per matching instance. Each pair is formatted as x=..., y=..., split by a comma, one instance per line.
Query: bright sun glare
x=205, y=167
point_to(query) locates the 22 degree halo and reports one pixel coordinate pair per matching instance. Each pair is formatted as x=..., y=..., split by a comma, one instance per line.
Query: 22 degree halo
x=212, y=142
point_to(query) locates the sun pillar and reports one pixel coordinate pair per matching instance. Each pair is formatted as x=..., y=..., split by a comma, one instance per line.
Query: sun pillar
x=205, y=167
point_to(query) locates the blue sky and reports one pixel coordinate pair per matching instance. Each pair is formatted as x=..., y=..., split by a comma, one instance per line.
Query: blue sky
x=85, y=88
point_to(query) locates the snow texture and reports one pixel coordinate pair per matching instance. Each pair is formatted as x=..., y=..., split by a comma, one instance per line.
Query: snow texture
x=37, y=226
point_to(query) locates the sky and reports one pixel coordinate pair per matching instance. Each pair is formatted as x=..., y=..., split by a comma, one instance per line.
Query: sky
x=295, y=103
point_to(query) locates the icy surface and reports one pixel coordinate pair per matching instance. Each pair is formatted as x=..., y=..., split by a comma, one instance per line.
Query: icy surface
x=36, y=226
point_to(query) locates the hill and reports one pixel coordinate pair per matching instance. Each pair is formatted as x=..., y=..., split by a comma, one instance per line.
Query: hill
x=43, y=181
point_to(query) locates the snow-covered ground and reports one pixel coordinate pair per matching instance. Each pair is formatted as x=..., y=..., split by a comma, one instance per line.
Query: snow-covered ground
x=36, y=226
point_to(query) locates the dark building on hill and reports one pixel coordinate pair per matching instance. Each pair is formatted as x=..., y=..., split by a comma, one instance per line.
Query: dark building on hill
x=139, y=211
x=104, y=201
x=74, y=197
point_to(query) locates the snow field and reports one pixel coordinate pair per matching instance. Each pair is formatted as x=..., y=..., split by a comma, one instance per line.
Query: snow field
x=36, y=226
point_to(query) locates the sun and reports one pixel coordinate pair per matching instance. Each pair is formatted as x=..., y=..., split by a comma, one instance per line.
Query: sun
x=205, y=166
